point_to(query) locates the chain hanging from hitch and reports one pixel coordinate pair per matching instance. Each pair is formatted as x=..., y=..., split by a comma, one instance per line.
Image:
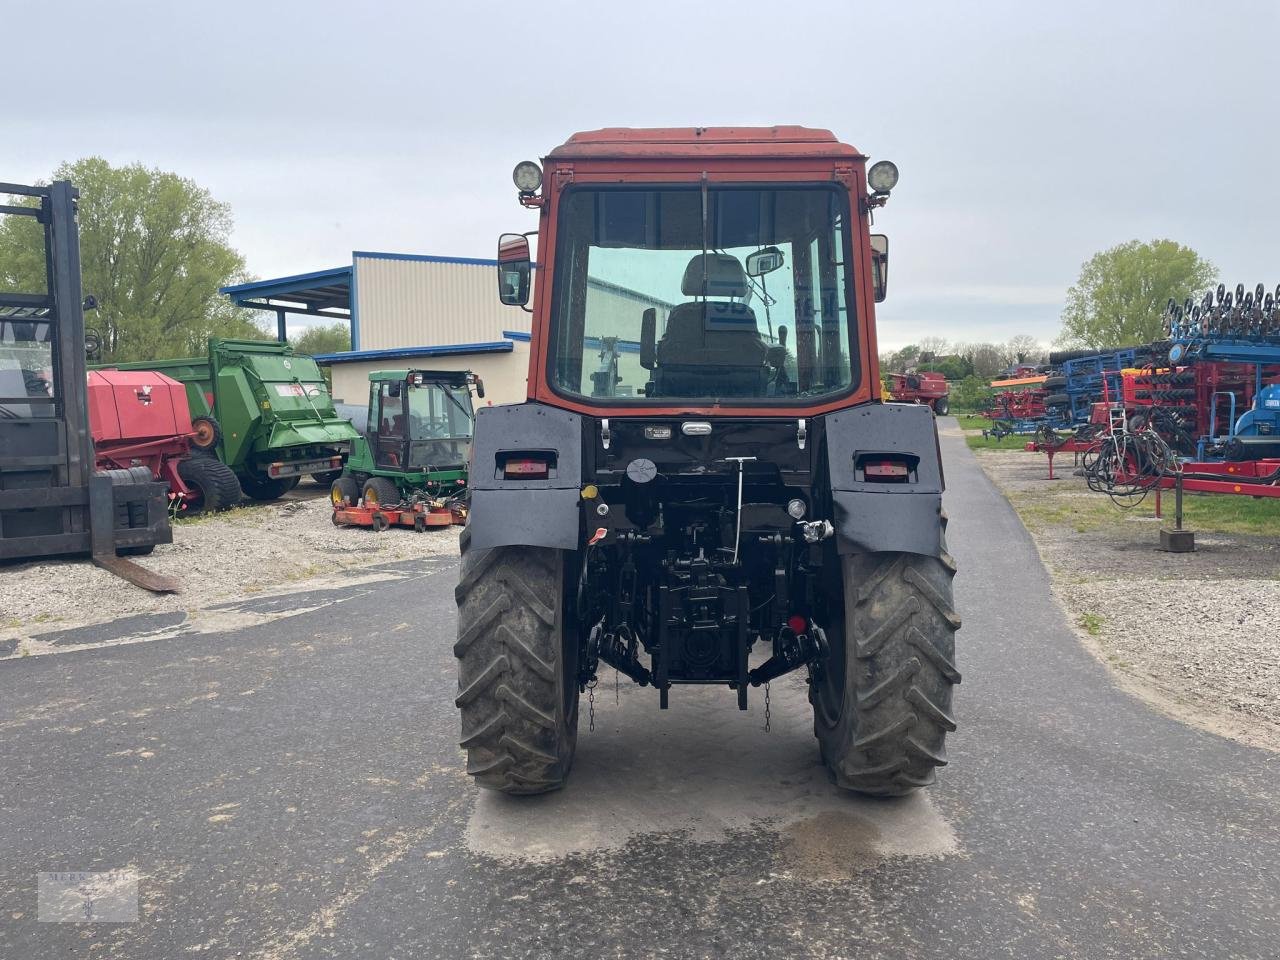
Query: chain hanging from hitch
x=591, y=704
x=766, y=708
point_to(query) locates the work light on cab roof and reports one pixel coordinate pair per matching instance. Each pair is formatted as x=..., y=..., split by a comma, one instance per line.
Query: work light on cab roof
x=882, y=177
x=527, y=176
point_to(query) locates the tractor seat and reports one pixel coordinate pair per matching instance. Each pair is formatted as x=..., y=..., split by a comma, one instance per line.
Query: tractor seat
x=711, y=347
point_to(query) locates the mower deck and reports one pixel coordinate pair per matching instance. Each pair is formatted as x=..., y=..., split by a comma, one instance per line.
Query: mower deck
x=419, y=516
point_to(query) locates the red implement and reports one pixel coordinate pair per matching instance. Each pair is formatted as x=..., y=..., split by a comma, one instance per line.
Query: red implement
x=419, y=516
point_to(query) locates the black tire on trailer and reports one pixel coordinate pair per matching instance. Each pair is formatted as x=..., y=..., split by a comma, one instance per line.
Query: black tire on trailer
x=326, y=478
x=1057, y=400
x=380, y=491
x=266, y=488
x=213, y=484
x=942, y=406
x=1055, y=383
x=344, y=488
x=207, y=433
x=517, y=668
x=882, y=701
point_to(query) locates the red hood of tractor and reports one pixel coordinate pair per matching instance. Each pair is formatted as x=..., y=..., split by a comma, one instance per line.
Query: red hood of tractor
x=782, y=142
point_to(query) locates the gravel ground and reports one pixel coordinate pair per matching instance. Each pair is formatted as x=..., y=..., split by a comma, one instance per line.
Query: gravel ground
x=249, y=550
x=1194, y=633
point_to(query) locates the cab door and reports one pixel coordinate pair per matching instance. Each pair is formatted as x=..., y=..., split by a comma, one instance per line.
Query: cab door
x=391, y=441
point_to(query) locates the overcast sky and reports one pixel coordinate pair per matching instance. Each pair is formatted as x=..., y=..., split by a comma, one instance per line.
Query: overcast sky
x=1028, y=135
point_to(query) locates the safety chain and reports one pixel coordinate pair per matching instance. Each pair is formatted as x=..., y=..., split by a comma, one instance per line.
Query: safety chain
x=616, y=700
x=591, y=704
x=766, y=708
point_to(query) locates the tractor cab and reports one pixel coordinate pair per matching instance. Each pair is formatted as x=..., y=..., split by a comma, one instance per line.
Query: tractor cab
x=419, y=419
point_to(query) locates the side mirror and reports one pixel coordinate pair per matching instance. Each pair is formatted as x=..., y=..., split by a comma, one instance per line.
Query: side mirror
x=515, y=268
x=764, y=261
x=648, y=338
x=393, y=388
x=880, y=265
x=479, y=388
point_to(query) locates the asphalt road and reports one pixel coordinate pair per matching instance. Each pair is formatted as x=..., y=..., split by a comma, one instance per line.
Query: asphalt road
x=288, y=787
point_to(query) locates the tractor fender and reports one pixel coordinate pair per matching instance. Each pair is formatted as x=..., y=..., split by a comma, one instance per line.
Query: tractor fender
x=873, y=517
x=530, y=513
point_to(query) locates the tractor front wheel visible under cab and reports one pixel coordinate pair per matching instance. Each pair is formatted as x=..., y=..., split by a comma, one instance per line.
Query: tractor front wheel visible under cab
x=517, y=668
x=882, y=700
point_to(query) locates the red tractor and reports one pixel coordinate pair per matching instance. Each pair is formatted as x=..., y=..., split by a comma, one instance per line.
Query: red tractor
x=926, y=387
x=704, y=466
x=141, y=419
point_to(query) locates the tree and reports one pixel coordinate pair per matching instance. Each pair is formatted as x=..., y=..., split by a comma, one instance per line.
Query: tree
x=332, y=338
x=1023, y=349
x=970, y=395
x=153, y=251
x=952, y=367
x=1121, y=293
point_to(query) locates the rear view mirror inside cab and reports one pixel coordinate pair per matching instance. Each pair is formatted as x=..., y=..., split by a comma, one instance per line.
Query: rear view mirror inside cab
x=764, y=261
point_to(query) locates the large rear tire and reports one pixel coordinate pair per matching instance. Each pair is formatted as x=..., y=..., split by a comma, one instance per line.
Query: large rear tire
x=942, y=406
x=517, y=668
x=213, y=485
x=882, y=701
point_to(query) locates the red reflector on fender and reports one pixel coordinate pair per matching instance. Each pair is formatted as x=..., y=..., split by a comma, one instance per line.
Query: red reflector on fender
x=886, y=468
x=525, y=470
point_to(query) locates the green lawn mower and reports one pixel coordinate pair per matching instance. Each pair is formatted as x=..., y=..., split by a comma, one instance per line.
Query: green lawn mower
x=416, y=440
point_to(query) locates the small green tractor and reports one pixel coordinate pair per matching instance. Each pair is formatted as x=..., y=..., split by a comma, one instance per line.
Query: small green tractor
x=415, y=442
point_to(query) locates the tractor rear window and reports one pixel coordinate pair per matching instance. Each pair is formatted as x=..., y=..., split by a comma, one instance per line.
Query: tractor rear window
x=730, y=295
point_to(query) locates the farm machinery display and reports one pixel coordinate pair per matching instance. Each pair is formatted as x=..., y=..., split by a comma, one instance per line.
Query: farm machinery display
x=728, y=490
x=409, y=467
x=140, y=419
x=925, y=387
x=1203, y=414
x=262, y=410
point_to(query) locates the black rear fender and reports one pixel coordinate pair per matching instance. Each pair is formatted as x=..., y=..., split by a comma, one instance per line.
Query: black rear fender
x=871, y=516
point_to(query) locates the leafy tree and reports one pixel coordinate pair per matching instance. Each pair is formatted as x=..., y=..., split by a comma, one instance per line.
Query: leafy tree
x=970, y=395
x=952, y=367
x=153, y=250
x=332, y=338
x=1121, y=293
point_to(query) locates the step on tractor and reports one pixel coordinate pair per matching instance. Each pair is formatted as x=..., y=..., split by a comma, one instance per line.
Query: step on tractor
x=415, y=442
x=930, y=389
x=263, y=410
x=704, y=486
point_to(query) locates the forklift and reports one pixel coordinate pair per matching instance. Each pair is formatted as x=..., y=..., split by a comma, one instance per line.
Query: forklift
x=413, y=450
x=53, y=501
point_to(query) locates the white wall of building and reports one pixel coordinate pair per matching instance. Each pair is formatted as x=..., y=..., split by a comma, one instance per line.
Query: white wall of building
x=504, y=374
x=409, y=301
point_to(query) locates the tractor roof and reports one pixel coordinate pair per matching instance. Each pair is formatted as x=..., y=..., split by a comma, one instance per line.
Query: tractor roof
x=452, y=377
x=669, y=142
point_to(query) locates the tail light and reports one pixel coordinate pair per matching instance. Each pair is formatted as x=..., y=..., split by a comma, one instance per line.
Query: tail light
x=525, y=470
x=886, y=468
x=527, y=465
